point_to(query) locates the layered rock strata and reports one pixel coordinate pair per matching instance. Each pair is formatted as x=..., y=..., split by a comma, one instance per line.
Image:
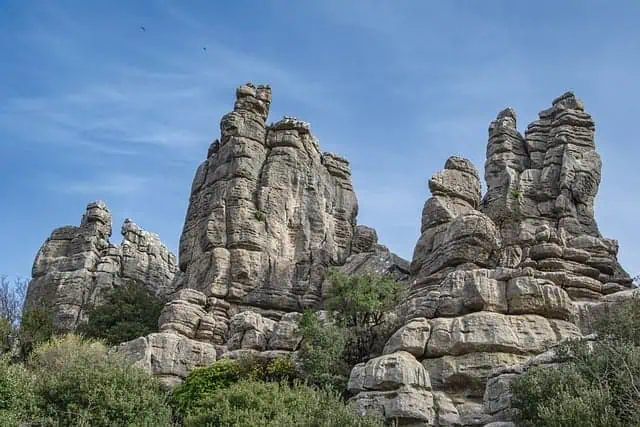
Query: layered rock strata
x=268, y=214
x=76, y=266
x=499, y=279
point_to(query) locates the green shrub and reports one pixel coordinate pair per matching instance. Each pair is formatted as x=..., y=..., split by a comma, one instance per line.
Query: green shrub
x=6, y=335
x=202, y=382
x=36, y=328
x=280, y=369
x=262, y=404
x=128, y=312
x=321, y=352
x=595, y=387
x=17, y=399
x=81, y=383
x=260, y=216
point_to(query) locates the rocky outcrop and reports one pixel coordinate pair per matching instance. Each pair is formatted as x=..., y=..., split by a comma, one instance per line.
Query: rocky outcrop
x=497, y=280
x=77, y=265
x=269, y=213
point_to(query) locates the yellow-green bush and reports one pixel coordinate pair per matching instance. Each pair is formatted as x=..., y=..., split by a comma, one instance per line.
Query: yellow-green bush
x=203, y=382
x=71, y=382
x=271, y=404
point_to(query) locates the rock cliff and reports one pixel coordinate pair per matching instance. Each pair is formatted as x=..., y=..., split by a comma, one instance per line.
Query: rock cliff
x=76, y=266
x=494, y=283
x=268, y=214
x=496, y=280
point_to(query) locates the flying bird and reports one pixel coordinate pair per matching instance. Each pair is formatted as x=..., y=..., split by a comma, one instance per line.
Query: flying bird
x=143, y=28
x=204, y=49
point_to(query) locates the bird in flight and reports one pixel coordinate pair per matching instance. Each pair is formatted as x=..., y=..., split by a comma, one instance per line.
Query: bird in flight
x=204, y=49
x=143, y=28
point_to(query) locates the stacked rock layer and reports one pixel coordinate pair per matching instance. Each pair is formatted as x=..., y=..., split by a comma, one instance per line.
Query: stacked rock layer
x=499, y=279
x=269, y=213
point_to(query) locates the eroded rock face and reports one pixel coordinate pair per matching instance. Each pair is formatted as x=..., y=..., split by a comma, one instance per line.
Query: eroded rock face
x=77, y=265
x=497, y=280
x=267, y=207
x=269, y=213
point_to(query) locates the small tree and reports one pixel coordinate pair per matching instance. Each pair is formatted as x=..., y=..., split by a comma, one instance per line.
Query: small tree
x=361, y=304
x=128, y=312
x=322, y=351
x=11, y=299
x=36, y=327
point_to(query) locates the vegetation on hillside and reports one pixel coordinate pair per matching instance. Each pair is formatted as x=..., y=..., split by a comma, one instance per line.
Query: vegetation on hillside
x=128, y=312
x=358, y=325
x=598, y=386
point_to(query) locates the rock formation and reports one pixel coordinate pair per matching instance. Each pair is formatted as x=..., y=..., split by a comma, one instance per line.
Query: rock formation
x=269, y=213
x=77, y=265
x=494, y=282
x=499, y=279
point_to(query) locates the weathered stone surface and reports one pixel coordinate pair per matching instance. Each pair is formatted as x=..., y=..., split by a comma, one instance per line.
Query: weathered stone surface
x=395, y=386
x=467, y=373
x=502, y=279
x=494, y=280
x=411, y=338
x=495, y=332
x=281, y=209
x=76, y=266
x=285, y=335
x=370, y=257
x=168, y=356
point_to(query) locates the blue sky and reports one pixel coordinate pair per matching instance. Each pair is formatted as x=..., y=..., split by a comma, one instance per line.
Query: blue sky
x=91, y=107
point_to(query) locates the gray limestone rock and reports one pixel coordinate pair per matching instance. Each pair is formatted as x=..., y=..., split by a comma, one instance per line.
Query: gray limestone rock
x=76, y=266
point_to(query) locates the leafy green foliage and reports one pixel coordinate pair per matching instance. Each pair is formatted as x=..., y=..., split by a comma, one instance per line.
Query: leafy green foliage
x=260, y=216
x=203, y=382
x=361, y=300
x=263, y=404
x=361, y=305
x=16, y=393
x=128, y=312
x=321, y=352
x=36, y=328
x=81, y=383
x=68, y=381
x=596, y=387
x=516, y=194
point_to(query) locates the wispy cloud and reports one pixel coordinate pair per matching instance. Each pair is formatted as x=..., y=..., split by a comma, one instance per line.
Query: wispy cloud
x=117, y=184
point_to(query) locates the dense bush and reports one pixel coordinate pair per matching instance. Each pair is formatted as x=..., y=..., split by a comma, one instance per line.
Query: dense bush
x=361, y=305
x=68, y=381
x=36, y=327
x=262, y=404
x=17, y=398
x=358, y=327
x=321, y=352
x=203, y=382
x=128, y=312
x=598, y=384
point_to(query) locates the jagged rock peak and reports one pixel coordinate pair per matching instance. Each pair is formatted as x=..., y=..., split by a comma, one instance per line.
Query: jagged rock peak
x=498, y=282
x=253, y=98
x=289, y=123
x=76, y=266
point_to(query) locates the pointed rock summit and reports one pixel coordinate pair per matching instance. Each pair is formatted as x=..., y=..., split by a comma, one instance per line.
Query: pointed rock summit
x=76, y=266
x=500, y=279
